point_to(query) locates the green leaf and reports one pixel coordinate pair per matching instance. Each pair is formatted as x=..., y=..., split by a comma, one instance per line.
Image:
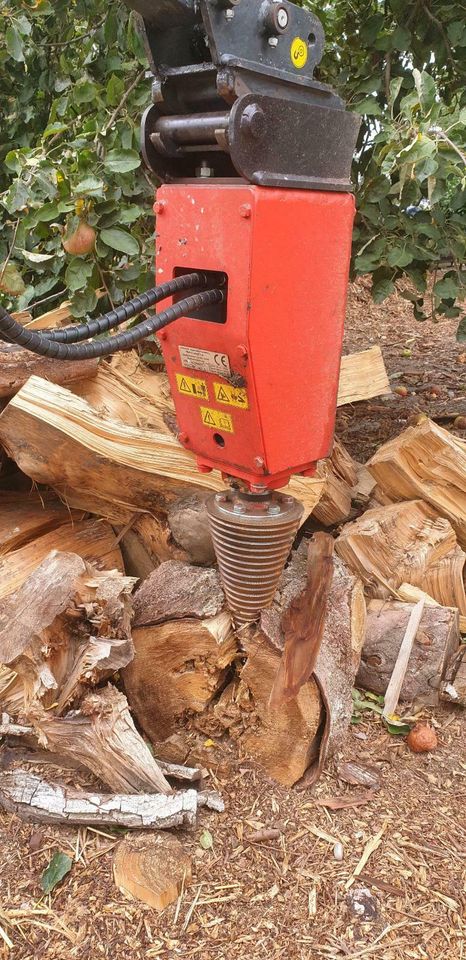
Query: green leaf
x=14, y=44
x=77, y=274
x=397, y=728
x=11, y=280
x=368, y=107
x=122, y=161
x=120, y=240
x=426, y=89
x=395, y=87
x=58, y=867
x=83, y=302
x=206, y=840
x=446, y=288
x=381, y=289
x=401, y=38
x=399, y=257
x=90, y=186
x=461, y=331
x=53, y=129
x=115, y=90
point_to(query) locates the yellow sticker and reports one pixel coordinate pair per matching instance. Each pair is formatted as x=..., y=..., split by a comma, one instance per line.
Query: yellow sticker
x=192, y=386
x=298, y=53
x=216, y=419
x=233, y=396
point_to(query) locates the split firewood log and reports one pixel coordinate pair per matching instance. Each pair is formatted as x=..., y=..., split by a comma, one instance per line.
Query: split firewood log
x=437, y=639
x=152, y=869
x=292, y=740
x=102, y=737
x=17, y=365
x=184, y=646
x=92, y=540
x=65, y=629
x=104, y=465
x=425, y=462
x=25, y=516
x=405, y=542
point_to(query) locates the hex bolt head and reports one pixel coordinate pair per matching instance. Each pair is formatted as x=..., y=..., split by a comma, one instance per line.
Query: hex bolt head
x=253, y=122
x=183, y=437
x=274, y=509
x=229, y=14
x=245, y=211
x=259, y=463
x=159, y=206
x=239, y=508
x=273, y=41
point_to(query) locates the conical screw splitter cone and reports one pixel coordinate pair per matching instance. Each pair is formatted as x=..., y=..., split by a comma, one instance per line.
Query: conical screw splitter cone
x=252, y=536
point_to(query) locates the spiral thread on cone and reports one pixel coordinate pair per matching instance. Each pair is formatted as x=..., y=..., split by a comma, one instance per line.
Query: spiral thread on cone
x=252, y=538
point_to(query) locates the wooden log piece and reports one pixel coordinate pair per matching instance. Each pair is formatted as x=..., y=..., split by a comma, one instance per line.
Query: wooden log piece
x=436, y=641
x=101, y=735
x=153, y=869
x=292, y=740
x=428, y=463
x=92, y=540
x=27, y=515
x=18, y=364
x=184, y=646
x=32, y=798
x=103, y=465
x=63, y=630
x=405, y=542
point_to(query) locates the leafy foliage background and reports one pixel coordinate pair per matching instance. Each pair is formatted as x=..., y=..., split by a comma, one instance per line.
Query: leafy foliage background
x=73, y=85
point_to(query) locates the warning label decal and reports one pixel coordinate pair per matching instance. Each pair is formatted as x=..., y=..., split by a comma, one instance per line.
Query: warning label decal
x=217, y=420
x=233, y=396
x=192, y=386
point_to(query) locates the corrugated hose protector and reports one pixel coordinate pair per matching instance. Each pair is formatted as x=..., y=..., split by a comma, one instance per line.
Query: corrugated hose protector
x=65, y=344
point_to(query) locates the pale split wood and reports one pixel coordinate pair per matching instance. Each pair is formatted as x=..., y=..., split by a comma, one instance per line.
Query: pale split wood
x=401, y=664
x=362, y=376
x=104, y=465
x=93, y=540
x=411, y=594
x=24, y=516
x=32, y=798
x=101, y=735
x=152, y=869
x=405, y=542
x=429, y=463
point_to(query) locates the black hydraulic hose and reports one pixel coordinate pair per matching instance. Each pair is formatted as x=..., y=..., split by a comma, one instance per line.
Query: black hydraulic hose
x=114, y=318
x=41, y=345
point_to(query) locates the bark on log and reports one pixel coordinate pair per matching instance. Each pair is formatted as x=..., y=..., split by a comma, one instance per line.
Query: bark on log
x=405, y=542
x=17, y=365
x=65, y=629
x=32, y=798
x=92, y=540
x=101, y=735
x=292, y=741
x=428, y=463
x=152, y=869
x=103, y=465
x=184, y=647
x=437, y=639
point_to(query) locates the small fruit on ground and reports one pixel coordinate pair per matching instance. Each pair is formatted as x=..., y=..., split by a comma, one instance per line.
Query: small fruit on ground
x=401, y=391
x=422, y=738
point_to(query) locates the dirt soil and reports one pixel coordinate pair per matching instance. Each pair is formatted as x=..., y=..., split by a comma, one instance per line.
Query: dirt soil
x=404, y=851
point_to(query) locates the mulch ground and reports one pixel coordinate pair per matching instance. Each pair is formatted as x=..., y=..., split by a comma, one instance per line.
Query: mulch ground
x=289, y=897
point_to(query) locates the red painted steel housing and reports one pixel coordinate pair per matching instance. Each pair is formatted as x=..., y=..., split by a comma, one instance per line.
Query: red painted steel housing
x=286, y=254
